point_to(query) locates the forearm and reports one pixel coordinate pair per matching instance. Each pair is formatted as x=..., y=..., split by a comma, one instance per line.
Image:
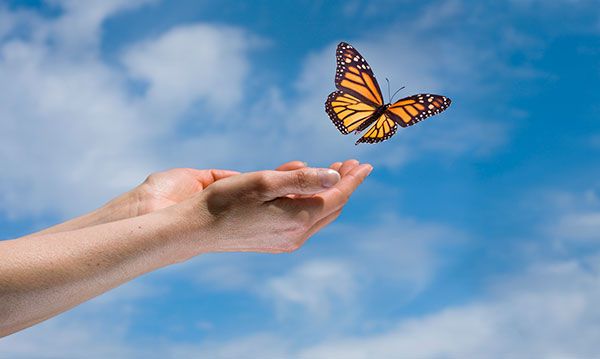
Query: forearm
x=43, y=276
x=122, y=207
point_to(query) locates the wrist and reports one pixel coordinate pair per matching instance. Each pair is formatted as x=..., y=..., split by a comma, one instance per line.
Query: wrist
x=136, y=202
x=125, y=206
x=190, y=225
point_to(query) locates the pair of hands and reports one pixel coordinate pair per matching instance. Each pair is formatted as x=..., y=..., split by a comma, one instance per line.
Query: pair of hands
x=171, y=217
x=265, y=211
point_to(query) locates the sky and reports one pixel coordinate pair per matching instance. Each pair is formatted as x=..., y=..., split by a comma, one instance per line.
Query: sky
x=476, y=235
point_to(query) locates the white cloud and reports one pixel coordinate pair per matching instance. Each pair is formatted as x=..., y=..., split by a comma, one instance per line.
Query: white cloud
x=71, y=133
x=548, y=311
x=317, y=286
x=337, y=269
x=570, y=218
x=578, y=226
x=260, y=345
x=190, y=63
x=77, y=30
x=68, y=135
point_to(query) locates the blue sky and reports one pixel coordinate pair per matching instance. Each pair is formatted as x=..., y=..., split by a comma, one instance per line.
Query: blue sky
x=477, y=234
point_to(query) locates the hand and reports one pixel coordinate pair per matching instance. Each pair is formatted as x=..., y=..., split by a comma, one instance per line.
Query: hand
x=164, y=189
x=255, y=212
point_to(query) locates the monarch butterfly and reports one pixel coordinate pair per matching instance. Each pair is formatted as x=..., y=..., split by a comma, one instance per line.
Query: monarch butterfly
x=358, y=103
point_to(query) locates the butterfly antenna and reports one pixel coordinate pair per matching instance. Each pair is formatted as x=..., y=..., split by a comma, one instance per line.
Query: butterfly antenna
x=395, y=93
x=388, y=83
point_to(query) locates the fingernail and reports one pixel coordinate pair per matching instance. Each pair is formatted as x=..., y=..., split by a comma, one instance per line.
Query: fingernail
x=369, y=170
x=328, y=178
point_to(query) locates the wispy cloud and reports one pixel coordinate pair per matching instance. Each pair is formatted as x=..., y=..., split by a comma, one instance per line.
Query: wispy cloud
x=317, y=286
x=548, y=311
x=336, y=270
x=579, y=226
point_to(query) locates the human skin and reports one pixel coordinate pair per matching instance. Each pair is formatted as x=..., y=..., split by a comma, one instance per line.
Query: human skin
x=172, y=217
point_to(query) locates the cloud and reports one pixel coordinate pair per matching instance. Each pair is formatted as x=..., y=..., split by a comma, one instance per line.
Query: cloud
x=192, y=62
x=316, y=285
x=263, y=345
x=570, y=218
x=67, y=133
x=548, y=311
x=579, y=226
x=72, y=133
x=77, y=130
x=339, y=268
x=7, y=21
x=77, y=30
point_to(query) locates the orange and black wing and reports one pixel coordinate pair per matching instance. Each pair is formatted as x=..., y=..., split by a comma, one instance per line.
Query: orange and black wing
x=410, y=110
x=355, y=77
x=381, y=130
x=347, y=111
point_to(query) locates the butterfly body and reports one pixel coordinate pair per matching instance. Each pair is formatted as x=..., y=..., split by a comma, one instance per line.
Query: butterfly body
x=378, y=112
x=358, y=102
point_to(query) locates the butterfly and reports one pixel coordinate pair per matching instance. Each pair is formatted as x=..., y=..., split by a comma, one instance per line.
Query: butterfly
x=358, y=103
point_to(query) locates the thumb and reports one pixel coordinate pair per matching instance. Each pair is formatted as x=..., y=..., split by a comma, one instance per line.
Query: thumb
x=303, y=181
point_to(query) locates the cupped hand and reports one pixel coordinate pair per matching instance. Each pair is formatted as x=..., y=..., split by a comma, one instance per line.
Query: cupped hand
x=164, y=189
x=269, y=211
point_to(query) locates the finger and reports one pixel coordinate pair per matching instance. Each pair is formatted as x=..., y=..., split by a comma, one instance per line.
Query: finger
x=220, y=174
x=322, y=204
x=305, y=181
x=347, y=166
x=336, y=166
x=292, y=165
x=335, y=197
x=207, y=177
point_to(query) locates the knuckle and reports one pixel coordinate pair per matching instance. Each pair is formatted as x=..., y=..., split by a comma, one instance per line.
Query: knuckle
x=217, y=200
x=151, y=178
x=302, y=179
x=260, y=182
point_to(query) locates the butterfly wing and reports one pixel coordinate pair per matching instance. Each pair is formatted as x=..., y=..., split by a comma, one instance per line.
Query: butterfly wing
x=355, y=77
x=347, y=111
x=381, y=130
x=413, y=109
